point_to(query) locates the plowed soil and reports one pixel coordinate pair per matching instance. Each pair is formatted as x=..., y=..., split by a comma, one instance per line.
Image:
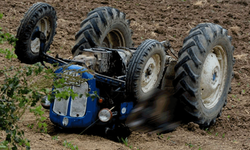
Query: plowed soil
x=160, y=20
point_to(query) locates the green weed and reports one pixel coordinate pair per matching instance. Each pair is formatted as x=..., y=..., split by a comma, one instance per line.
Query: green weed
x=168, y=137
x=70, y=145
x=243, y=92
x=125, y=141
x=41, y=125
x=190, y=145
x=55, y=137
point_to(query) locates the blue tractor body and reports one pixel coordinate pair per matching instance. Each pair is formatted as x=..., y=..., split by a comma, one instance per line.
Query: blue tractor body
x=83, y=111
x=91, y=107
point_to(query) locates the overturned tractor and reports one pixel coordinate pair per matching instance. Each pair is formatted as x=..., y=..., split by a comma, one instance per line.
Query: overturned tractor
x=126, y=77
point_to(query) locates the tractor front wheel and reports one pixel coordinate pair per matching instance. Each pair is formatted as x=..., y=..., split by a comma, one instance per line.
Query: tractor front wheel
x=39, y=17
x=145, y=69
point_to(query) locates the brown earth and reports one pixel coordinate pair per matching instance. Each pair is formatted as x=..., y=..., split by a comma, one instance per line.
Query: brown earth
x=160, y=20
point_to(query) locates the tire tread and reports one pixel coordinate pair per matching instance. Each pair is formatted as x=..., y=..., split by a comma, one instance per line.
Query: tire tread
x=191, y=57
x=24, y=31
x=93, y=26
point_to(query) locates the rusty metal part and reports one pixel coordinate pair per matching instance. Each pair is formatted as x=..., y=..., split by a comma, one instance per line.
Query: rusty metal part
x=168, y=46
x=169, y=73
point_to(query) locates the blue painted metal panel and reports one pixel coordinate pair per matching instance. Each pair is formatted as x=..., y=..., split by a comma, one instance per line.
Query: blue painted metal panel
x=92, y=108
x=125, y=110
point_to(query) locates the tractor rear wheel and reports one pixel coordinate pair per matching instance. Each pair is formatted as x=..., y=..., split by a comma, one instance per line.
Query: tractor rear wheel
x=203, y=73
x=104, y=27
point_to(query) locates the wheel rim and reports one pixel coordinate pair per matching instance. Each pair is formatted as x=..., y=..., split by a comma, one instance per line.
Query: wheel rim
x=213, y=77
x=114, y=39
x=150, y=73
x=42, y=25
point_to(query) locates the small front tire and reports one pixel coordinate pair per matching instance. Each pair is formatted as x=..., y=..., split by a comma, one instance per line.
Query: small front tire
x=145, y=69
x=39, y=17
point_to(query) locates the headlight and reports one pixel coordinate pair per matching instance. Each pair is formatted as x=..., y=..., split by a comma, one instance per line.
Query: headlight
x=105, y=115
x=65, y=121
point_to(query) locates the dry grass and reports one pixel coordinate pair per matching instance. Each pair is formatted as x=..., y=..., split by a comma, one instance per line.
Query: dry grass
x=235, y=30
x=241, y=57
x=200, y=3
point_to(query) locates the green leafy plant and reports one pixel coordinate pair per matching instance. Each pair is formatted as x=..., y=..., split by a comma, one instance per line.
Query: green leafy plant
x=70, y=145
x=65, y=80
x=41, y=125
x=243, y=92
x=93, y=96
x=189, y=145
x=125, y=141
x=17, y=95
x=168, y=137
x=55, y=137
x=160, y=135
x=7, y=37
x=22, y=88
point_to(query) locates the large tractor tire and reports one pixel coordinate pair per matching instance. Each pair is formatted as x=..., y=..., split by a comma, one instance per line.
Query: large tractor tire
x=145, y=69
x=203, y=73
x=39, y=17
x=104, y=27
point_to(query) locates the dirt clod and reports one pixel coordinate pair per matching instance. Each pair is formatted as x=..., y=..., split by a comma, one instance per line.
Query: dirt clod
x=192, y=126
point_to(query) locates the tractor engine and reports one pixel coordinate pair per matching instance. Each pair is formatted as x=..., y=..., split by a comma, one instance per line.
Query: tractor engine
x=106, y=61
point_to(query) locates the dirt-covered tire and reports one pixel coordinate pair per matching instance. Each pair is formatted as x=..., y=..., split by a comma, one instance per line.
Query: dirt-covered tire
x=42, y=17
x=203, y=73
x=104, y=27
x=145, y=69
